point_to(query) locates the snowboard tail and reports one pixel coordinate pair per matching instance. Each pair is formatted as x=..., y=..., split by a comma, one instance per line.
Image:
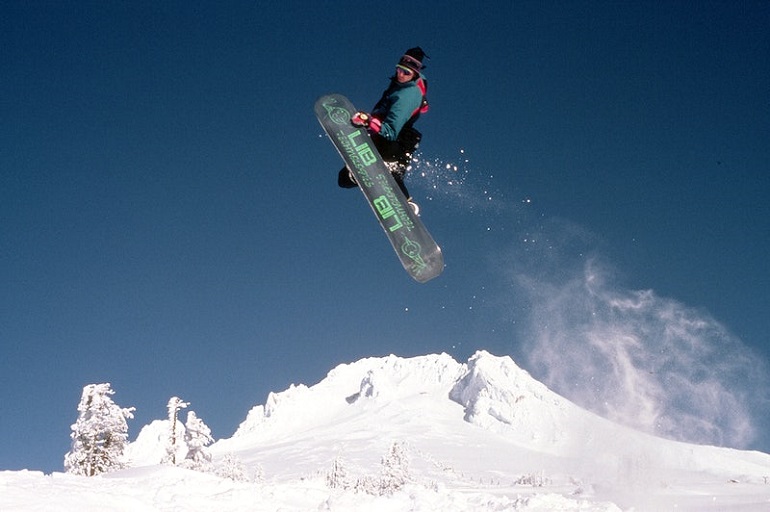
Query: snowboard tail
x=419, y=254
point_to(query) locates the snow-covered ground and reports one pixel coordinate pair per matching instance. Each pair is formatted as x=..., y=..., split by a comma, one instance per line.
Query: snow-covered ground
x=479, y=436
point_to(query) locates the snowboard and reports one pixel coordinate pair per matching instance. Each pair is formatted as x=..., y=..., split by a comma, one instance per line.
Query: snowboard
x=419, y=254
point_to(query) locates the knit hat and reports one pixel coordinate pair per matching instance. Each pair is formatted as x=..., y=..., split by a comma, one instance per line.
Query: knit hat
x=412, y=59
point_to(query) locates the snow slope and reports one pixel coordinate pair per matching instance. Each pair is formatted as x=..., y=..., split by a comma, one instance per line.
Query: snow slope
x=483, y=435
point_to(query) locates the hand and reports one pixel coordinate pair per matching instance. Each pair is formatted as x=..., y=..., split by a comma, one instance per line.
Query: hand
x=361, y=119
x=375, y=125
x=366, y=121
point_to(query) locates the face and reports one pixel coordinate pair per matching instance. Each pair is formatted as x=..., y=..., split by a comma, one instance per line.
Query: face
x=403, y=75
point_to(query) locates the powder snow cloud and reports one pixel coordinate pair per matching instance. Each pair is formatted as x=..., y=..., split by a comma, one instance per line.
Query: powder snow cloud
x=637, y=358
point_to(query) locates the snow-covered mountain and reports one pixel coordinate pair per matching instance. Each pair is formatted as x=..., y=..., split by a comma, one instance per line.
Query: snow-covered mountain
x=483, y=435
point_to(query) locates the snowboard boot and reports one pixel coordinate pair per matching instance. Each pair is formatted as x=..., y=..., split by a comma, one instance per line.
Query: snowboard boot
x=345, y=179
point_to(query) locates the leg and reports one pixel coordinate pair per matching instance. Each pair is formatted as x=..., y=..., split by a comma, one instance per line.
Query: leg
x=398, y=173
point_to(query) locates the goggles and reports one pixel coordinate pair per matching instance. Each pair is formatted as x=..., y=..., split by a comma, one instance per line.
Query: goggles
x=405, y=70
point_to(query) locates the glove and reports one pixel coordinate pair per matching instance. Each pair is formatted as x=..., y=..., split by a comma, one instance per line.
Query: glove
x=375, y=125
x=365, y=120
x=361, y=119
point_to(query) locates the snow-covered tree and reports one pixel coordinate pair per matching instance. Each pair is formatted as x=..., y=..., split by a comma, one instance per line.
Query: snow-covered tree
x=197, y=437
x=395, y=469
x=174, y=404
x=394, y=473
x=231, y=467
x=368, y=484
x=338, y=477
x=100, y=433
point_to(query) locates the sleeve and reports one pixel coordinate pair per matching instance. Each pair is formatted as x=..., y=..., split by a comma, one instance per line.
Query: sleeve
x=405, y=102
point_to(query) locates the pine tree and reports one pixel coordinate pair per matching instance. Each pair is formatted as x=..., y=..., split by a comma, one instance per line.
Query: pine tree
x=395, y=469
x=197, y=437
x=231, y=467
x=99, y=435
x=338, y=477
x=174, y=404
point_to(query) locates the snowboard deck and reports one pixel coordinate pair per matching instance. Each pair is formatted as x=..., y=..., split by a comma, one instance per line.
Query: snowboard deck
x=419, y=254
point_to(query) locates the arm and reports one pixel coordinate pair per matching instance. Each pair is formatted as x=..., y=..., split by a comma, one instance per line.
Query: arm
x=405, y=102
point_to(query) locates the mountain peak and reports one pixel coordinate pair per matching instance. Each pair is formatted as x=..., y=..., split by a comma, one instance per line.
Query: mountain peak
x=500, y=396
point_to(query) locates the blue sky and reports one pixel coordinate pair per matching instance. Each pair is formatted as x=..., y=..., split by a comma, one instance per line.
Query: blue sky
x=171, y=222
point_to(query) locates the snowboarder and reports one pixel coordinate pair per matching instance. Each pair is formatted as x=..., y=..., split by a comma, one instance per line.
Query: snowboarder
x=391, y=121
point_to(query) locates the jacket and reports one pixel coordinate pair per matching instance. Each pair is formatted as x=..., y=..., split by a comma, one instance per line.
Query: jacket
x=398, y=104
